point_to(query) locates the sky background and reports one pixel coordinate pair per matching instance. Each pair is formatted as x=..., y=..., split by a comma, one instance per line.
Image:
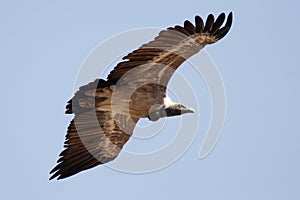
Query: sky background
x=257, y=157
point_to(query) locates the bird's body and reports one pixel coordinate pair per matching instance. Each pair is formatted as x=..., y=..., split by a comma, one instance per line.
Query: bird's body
x=106, y=111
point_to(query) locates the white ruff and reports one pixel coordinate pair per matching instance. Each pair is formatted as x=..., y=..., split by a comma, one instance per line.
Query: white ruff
x=168, y=102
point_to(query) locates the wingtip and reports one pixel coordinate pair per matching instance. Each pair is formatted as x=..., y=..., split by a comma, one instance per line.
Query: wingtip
x=56, y=176
x=221, y=32
x=51, y=177
x=229, y=20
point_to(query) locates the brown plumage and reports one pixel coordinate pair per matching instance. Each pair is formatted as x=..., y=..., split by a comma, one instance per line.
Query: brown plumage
x=106, y=111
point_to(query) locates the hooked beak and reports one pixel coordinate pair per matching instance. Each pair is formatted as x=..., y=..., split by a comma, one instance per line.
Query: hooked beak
x=178, y=109
x=187, y=110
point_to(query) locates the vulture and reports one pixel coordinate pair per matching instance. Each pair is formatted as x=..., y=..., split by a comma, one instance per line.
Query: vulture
x=106, y=111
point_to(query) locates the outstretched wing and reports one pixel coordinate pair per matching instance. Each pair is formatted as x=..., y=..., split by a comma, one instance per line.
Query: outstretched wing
x=157, y=60
x=95, y=136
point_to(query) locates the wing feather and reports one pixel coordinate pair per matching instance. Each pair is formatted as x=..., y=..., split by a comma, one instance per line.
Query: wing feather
x=218, y=23
x=73, y=105
x=209, y=23
x=189, y=27
x=172, y=47
x=93, y=138
x=199, y=24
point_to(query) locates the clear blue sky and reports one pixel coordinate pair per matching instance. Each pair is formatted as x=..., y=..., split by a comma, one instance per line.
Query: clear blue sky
x=257, y=157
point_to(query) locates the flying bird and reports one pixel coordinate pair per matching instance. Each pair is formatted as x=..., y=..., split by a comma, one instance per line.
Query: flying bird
x=106, y=111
